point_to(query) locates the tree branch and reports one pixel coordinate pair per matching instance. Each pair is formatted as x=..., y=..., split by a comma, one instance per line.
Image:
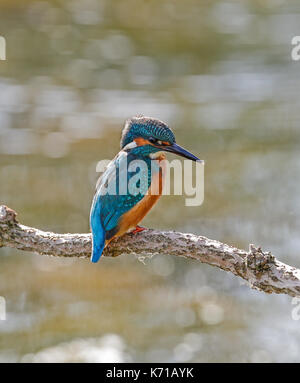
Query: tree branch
x=258, y=268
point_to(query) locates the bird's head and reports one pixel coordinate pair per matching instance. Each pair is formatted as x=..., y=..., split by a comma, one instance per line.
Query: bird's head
x=148, y=136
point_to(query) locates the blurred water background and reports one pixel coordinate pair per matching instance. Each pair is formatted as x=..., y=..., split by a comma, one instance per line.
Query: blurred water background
x=220, y=74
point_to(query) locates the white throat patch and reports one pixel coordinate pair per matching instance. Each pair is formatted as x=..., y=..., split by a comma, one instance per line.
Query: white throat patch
x=156, y=155
x=131, y=145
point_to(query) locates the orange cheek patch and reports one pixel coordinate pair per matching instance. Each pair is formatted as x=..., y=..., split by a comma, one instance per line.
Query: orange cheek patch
x=141, y=141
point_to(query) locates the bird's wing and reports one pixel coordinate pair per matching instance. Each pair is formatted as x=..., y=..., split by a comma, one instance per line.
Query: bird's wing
x=108, y=195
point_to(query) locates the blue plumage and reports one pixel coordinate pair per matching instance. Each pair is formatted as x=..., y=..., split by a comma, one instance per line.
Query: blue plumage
x=145, y=127
x=115, y=201
x=98, y=231
x=110, y=205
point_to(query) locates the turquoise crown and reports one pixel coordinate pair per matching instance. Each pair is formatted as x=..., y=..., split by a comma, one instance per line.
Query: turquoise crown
x=145, y=127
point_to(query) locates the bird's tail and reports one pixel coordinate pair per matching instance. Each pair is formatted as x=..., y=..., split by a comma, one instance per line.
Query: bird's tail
x=97, y=250
x=98, y=232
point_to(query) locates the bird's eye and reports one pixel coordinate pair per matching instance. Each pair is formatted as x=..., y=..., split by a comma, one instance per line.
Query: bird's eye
x=153, y=140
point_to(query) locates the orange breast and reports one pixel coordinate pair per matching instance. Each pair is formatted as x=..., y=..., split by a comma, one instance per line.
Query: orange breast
x=138, y=212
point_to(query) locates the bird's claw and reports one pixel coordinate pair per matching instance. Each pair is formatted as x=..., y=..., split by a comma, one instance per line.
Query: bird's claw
x=138, y=229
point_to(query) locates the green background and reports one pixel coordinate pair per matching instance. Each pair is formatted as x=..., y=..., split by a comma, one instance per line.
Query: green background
x=220, y=74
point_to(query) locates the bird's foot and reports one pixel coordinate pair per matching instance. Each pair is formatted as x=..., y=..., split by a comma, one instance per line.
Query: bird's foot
x=138, y=229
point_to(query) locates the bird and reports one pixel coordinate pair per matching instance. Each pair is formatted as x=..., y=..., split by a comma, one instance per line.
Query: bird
x=114, y=211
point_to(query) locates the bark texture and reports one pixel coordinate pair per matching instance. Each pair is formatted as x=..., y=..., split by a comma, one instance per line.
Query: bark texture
x=260, y=269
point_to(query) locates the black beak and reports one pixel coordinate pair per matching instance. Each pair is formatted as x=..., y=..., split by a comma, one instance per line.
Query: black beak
x=176, y=149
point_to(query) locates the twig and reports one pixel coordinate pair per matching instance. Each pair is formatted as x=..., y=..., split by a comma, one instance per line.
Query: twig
x=260, y=269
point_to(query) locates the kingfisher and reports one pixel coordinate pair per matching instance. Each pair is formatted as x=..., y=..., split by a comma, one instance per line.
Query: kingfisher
x=115, y=212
